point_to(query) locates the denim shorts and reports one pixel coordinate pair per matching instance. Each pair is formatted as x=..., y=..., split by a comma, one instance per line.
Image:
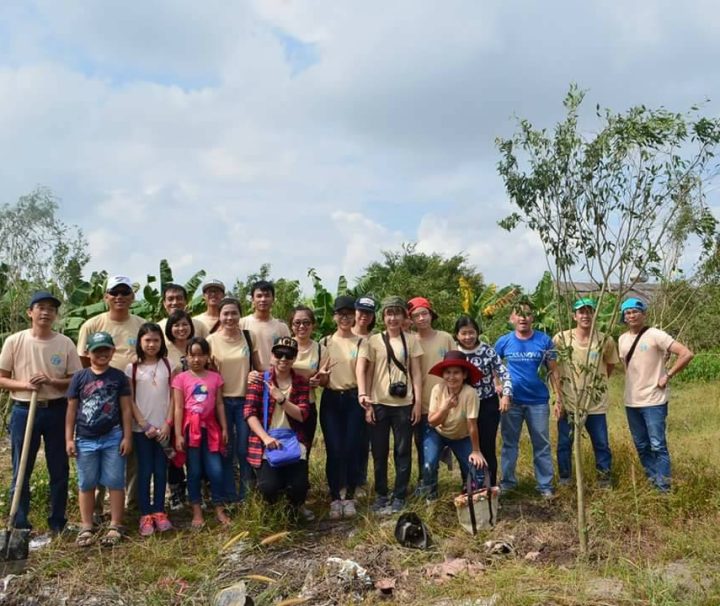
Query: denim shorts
x=99, y=462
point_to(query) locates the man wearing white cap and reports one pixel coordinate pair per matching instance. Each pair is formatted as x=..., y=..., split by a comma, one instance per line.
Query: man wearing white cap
x=213, y=291
x=123, y=327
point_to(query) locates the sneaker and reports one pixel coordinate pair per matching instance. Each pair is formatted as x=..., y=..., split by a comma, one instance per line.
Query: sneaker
x=348, y=508
x=336, y=510
x=306, y=514
x=548, y=495
x=397, y=505
x=360, y=492
x=162, y=523
x=147, y=528
x=565, y=481
x=381, y=506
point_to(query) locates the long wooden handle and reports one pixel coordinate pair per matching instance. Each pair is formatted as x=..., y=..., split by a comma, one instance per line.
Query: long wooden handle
x=20, y=479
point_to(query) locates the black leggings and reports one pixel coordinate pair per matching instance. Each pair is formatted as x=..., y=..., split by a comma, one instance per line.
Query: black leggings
x=488, y=421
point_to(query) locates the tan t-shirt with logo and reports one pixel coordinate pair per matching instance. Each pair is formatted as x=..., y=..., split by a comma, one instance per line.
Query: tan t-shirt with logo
x=646, y=367
x=455, y=426
x=573, y=371
x=374, y=350
x=434, y=350
x=199, y=328
x=263, y=335
x=308, y=361
x=24, y=356
x=232, y=357
x=343, y=353
x=124, y=335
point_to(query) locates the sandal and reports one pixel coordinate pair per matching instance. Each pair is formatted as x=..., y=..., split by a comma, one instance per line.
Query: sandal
x=112, y=537
x=85, y=537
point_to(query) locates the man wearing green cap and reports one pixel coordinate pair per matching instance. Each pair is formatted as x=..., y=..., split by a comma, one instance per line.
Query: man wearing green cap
x=586, y=359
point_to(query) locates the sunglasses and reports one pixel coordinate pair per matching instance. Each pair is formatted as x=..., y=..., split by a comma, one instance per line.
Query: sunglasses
x=302, y=323
x=120, y=292
x=284, y=354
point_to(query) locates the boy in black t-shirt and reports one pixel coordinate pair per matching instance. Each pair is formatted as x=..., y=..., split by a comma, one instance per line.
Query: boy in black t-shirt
x=99, y=418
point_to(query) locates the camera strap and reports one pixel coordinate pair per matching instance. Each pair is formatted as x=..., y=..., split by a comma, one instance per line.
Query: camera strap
x=391, y=353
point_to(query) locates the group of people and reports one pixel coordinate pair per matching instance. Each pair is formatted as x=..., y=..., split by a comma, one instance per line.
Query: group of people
x=214, y=405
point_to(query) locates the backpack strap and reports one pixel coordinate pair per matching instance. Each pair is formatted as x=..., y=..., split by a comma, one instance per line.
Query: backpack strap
x=167, y=365
x=134, y=379
x=630, y=353
x=266, y=398
x=248, y=339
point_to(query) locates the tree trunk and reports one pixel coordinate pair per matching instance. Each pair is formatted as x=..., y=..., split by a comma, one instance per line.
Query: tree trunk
x=580, y=483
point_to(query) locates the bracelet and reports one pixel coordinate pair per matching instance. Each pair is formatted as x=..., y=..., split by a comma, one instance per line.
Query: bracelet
x=360, y=395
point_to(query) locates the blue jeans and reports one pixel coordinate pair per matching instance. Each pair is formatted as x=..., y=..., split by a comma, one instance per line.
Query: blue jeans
x=99, y=462
x=537, y=417
x=433, y=444
x=596, y=426
x=647, y=427
x=342, y=420
x=200, y=460
x=151, y=464
x=50, y=426
x=237, y=448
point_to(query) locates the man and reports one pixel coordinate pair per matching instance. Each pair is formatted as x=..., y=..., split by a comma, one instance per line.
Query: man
x=213, y=291
x=264, y=328
x=435, y=344
x=585, y=360
x=175, y=297
x=117, y=321
x=40, y=360
x=526, y=352
x=123, y=327
x=644, y=351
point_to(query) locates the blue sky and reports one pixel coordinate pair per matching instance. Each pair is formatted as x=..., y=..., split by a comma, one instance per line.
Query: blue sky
x=314, y=134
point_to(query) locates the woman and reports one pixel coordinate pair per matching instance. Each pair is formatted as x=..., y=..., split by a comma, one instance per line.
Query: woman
x=179, y=329
x=341, y=417
x=287, y=408
x=486, y=360
x=390, y=388
x=232, y=350
x=312, y=361
x=452, y=420
x=364, y=324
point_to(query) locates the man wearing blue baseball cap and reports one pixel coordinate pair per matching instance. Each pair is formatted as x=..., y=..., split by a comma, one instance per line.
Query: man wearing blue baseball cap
x=585, y=369
x=644, y=350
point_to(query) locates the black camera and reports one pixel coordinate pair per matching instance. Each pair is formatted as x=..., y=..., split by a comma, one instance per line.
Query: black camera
x=398, y=390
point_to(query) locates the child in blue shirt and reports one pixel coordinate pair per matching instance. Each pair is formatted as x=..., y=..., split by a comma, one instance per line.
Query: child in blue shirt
x=98, y=431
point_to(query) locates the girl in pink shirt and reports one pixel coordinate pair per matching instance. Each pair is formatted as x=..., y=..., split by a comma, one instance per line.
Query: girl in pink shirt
x=202, y=430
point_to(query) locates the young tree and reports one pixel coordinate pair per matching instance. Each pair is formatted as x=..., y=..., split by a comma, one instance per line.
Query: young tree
x=603, y=206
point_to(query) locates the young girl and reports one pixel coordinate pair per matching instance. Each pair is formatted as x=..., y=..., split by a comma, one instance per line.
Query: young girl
x=452, y=419
x=152, y=417
x=486, y=360
x=201, y=429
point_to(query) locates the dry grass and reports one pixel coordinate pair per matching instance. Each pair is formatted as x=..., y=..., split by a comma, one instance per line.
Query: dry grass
x=634, y=532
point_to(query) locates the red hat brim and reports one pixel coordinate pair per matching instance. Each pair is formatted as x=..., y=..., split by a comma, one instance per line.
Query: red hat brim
x=474, y=373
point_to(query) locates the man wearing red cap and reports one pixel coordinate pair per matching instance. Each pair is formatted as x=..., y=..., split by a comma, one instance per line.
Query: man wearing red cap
x=435, y=344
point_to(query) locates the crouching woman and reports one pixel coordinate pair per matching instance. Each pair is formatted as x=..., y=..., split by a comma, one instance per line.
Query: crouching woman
x=280, y=401
x=452, y=420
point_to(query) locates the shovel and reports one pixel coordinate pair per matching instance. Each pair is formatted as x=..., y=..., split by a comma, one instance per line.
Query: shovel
x=15, y=542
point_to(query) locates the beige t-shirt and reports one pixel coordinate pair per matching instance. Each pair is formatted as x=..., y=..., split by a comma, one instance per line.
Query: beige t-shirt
x=208, y=321
x=200, y=329
x=123, y=333
x=24, y=355
x=174, y=356
x=308, y=361
x=263, y=335
x=646, y=367
x=581, y=365
x=374, y=350
x=152, y=392
x=455, y=426
x=344, y=354
x=232, y=357
x=280, y=420
x=434, y=350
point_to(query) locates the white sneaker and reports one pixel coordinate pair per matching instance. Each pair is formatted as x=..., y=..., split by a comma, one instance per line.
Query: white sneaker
x=348, y=509
x=336, y=510
x=306, y=513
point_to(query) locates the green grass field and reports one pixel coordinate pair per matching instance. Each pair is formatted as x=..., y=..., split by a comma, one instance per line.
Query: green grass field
x=644, y=548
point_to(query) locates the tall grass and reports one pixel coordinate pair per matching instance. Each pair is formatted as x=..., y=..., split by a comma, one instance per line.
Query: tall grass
x=634, y=533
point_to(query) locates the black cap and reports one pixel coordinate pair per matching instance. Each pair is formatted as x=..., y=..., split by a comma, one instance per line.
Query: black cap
x=366, y=303
x=43, y=295
x=344, y=302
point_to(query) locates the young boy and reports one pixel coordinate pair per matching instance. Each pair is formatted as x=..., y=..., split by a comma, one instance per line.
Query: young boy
x=99, y=417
